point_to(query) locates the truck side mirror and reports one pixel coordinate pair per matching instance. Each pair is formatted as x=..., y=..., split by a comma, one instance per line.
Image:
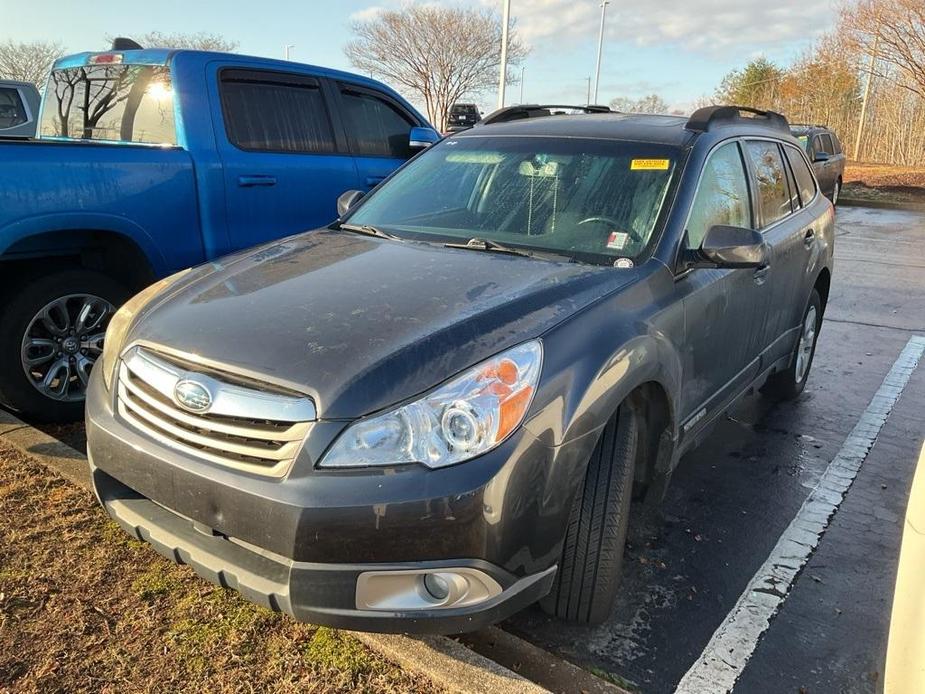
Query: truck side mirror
x=820, y=157
x=347, y=200
x=422, y=138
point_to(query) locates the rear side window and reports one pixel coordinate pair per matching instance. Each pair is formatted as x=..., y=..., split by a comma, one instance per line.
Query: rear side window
x=806, y=185
x=12, y=110
x=722, y=196
x=771, y=181
x=836, y=145
x=824, y=144
x=374, y=126
x=111, y=103
x=266, y=112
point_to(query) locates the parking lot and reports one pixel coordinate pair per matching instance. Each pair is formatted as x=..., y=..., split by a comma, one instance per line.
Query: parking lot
x=732, y=498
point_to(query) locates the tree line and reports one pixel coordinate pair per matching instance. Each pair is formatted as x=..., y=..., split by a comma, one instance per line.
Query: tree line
x=865, y=79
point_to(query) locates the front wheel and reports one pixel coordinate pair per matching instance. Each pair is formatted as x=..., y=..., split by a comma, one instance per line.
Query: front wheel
x=52, y=334
x=789, y=383
x=836, y=191
x=589, y=574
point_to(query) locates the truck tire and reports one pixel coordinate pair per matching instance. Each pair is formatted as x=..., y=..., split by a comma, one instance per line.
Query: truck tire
x=52, y=327
x=586, y=583
x=789, y=383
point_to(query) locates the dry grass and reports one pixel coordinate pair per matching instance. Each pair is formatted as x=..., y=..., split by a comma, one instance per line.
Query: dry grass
x=85, y=608
x=885, y=182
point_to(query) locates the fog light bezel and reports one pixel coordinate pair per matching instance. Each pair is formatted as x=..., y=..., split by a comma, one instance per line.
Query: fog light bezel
x=405, y=590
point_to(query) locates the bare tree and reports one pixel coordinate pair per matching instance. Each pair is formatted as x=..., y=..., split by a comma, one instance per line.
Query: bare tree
x=894, y=33
x=435, y=53
x=651, y=103
x=29, y=62
x=200, y=41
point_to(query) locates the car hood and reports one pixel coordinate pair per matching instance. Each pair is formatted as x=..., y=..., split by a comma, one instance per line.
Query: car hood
x=361, y=323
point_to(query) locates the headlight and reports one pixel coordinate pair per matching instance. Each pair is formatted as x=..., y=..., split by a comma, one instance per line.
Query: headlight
x=122, y=321
x=468, y=416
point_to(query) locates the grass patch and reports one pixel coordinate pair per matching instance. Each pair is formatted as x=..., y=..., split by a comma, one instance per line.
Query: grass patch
x=159, y=580
x=336, y=651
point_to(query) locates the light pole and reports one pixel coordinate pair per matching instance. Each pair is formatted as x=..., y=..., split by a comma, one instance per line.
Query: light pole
x=505, y=20
x=600, y=48
x=523, y=69
x=288, y=47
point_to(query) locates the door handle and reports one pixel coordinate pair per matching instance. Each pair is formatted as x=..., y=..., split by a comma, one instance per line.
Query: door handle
x=761, y=274
x=256, y=180
x=374, y=180
x=809, y=238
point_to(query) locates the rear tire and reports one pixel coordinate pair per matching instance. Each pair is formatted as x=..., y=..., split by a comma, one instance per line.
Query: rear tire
x=789, y=383
x=586, y=583
x=836, y=192
x=20, y=314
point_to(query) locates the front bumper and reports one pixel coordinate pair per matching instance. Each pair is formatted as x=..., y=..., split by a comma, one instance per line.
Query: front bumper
x=311, y=592
x=298, y=544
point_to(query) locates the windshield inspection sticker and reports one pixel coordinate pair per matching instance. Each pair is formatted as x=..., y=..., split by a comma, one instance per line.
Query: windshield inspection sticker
x=617, y=240
x=624, y=263
x=649, y=165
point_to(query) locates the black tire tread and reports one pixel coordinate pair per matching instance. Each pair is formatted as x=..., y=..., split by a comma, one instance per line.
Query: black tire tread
x=589, y=573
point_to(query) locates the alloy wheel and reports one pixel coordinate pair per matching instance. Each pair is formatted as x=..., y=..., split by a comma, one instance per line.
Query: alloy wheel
x=806, y=344
x=63, y=341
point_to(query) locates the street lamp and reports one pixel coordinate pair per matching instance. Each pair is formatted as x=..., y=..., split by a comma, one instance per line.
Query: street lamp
x=505, y=20
x=523, y=69
x=600, y=48
x=289, y=46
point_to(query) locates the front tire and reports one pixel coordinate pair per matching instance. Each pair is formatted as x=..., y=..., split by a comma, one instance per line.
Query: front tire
x=51, y=335
x=789, y=383
x=589, y=574
x=836, y=191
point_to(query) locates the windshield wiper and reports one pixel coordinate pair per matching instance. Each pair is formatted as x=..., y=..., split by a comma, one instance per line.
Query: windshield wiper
x=477, y=244
x=369, y=230
x=480, y=244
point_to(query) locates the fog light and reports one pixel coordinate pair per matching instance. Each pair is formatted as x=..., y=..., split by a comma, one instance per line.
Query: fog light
x=436, y=586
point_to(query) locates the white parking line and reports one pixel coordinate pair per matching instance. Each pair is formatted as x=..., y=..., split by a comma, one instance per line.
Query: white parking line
x=733, y=643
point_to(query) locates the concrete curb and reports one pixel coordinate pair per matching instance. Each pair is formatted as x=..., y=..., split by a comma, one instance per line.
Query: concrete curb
x=446, y=662
x=845, y=201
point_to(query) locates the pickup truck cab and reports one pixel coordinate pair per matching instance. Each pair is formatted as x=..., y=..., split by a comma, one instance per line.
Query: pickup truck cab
x=19, y=108
x=149, y=161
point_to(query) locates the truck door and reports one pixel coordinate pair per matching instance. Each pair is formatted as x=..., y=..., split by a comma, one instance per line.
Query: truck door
x=284, y=164
x=378, y=130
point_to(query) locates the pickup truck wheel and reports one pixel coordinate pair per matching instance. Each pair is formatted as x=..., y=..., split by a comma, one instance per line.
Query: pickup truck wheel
x=52, y=334
x=589, y=574
x=789, y=383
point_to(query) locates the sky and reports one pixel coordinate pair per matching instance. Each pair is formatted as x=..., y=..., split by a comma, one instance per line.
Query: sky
x=679, y=49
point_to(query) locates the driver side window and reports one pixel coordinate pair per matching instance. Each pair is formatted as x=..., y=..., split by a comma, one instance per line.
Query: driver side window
x=722, y=197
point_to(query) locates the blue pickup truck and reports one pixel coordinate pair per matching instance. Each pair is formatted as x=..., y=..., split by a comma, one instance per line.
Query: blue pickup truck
x=151, y=160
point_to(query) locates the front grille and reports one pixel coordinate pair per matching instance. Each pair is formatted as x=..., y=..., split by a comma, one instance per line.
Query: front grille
x=246, y=428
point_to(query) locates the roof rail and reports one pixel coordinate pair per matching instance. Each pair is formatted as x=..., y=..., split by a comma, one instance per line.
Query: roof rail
x=521, y=111
x=704, y=118
x=809, y=125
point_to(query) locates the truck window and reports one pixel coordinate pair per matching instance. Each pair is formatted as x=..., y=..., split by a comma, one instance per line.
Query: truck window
x=722, y=196
x=12, y=110
x=773, y=195
x=270, y=112
x=113, y=103
x=804, y=176
x=374, y=126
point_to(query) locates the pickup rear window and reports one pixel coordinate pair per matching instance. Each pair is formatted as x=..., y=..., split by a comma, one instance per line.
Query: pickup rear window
x=111, y=103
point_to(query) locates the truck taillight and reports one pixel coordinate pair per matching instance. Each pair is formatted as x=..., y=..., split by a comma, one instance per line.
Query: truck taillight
x=105, y=58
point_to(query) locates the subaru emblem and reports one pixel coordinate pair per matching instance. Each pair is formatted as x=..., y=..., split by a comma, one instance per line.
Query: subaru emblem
x=192, y=395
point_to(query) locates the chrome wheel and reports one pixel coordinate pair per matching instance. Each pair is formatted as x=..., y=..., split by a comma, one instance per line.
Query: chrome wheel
x=63, y=341
x=805, y=346
x=835, y=193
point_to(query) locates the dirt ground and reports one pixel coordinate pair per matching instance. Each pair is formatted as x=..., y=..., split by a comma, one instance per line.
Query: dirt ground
x=83, y=607
x=884, y=182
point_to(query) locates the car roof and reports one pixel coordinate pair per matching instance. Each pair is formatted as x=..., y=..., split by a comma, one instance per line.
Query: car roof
x=605, y=126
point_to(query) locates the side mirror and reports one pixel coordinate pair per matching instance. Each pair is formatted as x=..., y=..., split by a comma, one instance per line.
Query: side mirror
x=820, y=157
x=733, y=247
x=348, y=200
x=422, y=138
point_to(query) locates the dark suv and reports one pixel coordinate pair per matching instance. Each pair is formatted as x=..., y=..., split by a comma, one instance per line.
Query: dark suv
x=825, y=152
x=435, y=411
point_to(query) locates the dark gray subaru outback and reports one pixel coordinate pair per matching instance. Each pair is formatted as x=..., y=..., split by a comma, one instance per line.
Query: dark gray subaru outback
x=439, y=409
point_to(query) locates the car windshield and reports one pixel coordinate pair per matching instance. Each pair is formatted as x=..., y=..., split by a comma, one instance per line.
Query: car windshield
x=593, y=200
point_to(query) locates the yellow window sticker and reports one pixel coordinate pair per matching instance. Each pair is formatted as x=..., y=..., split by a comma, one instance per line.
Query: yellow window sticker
x=649, y=165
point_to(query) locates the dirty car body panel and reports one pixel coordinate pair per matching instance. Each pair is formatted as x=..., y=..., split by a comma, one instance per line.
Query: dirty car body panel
x=360, y=325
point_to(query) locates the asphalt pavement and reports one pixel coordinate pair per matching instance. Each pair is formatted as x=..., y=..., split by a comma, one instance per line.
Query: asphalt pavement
x=733, y=498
